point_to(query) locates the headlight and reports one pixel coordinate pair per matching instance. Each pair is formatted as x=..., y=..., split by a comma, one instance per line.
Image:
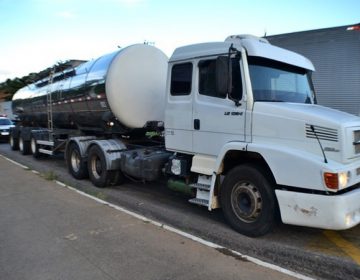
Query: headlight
x=343, y=179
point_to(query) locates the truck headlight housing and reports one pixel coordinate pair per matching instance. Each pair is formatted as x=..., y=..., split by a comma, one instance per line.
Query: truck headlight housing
x=343, y=179
x=336, y=181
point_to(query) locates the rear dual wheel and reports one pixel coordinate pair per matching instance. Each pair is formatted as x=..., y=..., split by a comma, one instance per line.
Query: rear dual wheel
x=76, y=163
x=98, y=173
x=14, y=143
x=34, y=147
x=24, y=146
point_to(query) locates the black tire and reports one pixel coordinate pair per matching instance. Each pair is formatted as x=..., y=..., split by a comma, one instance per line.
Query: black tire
x=98, y=174
x=248, y=200
x=24, y=146
x=14, y=143
x=76, y=164
x=34, y=147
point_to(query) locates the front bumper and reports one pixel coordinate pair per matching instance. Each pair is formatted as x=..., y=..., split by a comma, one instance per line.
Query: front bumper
x=335, y=212
x=4, y=134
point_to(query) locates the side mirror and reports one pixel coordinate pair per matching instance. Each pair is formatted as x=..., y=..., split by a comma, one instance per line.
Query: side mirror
x=223, y=76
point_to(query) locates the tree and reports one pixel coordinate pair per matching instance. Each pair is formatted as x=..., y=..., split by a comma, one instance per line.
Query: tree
x=10, y=86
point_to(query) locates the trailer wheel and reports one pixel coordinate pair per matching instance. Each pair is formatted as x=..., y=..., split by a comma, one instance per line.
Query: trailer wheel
x=76, y=164
x=34, y=147
x=248, y=200
x=24, y=146
x=98, y=174
x=14, y=143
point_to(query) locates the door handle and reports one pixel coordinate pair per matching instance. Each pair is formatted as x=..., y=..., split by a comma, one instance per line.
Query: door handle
x=196, y=124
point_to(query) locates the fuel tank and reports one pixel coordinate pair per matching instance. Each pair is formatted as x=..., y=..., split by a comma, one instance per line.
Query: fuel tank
x=126, y=87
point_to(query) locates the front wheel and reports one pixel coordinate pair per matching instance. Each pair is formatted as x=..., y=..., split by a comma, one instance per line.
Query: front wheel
x=99, y=175
x=248, y=200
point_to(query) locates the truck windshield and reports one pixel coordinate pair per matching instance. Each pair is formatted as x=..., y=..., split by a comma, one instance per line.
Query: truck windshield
x=274, y=81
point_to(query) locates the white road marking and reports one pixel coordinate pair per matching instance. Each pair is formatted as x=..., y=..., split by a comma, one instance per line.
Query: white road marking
x=16, y=163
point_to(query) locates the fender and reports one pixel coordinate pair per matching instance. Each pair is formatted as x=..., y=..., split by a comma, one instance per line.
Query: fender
x=112, y=150
x=82, y=142
x=293, y=167
x=290, y=167
x=235, y=146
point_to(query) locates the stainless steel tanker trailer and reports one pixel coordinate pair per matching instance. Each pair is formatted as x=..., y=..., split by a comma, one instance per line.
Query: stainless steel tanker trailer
x=125, y=88
x=119, y=95
x=235, y=123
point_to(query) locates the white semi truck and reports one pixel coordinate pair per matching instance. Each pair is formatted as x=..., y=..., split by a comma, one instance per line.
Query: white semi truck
x=235, y=121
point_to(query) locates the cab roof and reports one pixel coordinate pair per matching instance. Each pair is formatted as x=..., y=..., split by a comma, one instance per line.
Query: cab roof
x=254, y=46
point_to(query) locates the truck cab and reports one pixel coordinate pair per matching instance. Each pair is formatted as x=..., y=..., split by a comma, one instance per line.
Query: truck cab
x=245, y=112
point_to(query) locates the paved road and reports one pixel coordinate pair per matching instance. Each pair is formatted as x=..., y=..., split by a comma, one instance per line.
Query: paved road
x=50, y=232
x=319, y=253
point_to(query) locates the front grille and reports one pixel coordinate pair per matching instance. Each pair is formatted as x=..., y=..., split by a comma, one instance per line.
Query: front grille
x=357, y=141
x=323, y=133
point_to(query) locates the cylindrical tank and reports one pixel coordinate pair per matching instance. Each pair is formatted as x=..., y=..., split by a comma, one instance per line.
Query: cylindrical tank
x=127, y=86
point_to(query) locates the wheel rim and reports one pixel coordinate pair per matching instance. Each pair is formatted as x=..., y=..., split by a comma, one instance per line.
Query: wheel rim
x=96, y=169
x=246, y=202
x=21, y=144
x=33, y=146
x=75, y=161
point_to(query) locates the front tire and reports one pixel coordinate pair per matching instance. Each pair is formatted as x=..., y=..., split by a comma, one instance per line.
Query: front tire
x=76, y=163
x=248, y=200
x=98, y=174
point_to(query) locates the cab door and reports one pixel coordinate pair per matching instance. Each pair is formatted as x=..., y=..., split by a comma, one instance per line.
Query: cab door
x=217, y=120
x=179, y=108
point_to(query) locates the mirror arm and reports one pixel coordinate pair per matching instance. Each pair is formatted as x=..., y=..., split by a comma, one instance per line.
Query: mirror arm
x=237, y=102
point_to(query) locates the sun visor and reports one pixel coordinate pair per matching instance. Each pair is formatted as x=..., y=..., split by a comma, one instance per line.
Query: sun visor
x=262, y=49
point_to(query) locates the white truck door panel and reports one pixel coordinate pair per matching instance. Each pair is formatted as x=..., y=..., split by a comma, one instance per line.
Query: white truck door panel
x=179, y=130
x=179, y=109
x=217, y=120
x=220, y=122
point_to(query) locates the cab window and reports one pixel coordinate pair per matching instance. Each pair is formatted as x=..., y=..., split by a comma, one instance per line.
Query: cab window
x=181, y=76
x=207, y=79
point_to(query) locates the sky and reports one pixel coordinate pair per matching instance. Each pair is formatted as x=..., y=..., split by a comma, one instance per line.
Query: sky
x=36, y=34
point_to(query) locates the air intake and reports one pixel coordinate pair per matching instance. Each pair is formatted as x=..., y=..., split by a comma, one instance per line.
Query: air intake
x=323, y=133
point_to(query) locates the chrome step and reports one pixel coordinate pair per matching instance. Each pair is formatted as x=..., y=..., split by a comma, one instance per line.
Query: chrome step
x=45, y=143
x=200, y=186
x=199, y=201
x=43, y=151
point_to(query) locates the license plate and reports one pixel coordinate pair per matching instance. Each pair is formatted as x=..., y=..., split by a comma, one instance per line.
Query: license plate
x=4, y=133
